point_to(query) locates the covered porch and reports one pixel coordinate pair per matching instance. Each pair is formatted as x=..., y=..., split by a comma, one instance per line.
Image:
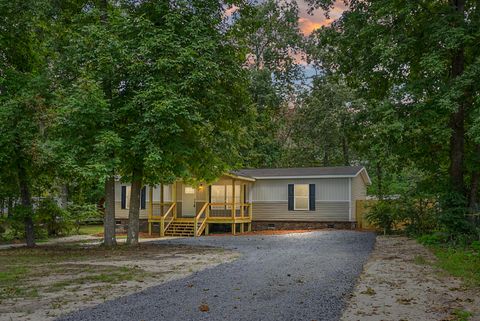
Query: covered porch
x=181, y=209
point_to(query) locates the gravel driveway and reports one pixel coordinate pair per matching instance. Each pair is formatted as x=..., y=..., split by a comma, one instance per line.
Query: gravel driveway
x=302, y=276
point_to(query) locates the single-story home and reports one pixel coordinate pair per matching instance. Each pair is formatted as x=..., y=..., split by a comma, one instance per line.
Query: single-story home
x=268, y=198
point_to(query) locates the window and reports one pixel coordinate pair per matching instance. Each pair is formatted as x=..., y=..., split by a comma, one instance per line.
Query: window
x=127, y=197
x=229, y=194
x=301, y=199
x=189, y=190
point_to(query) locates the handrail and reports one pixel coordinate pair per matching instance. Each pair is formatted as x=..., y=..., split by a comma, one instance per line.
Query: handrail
x=198, y=230
x=163, y=228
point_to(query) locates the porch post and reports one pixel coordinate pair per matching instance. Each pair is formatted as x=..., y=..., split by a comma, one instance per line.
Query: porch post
x=150, y=209
x=174, y=198
x=233, y=199
x=162, y=199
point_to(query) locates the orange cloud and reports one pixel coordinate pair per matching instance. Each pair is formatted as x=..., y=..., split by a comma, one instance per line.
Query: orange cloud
x=307, y=26
x=310, y=22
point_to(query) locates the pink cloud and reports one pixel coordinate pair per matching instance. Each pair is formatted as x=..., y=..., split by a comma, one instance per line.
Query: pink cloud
x=310, y=22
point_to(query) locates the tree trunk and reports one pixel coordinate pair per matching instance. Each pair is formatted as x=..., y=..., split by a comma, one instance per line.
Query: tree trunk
x=326, y=160
x=63, y=196
x=134, y=211
x=9, y=207
x=109, y=214
x=379, y=181
x=26, y=201
x=457, y=119
x=346, y=156
x=475, y=180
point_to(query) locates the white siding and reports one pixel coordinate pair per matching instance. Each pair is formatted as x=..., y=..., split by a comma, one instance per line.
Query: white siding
x=326, y=189
x=324, y=212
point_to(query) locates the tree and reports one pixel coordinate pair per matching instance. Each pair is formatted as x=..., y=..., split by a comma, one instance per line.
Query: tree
x=24, y=99
x=271, y=33
x=324, y=127
x=416, y=64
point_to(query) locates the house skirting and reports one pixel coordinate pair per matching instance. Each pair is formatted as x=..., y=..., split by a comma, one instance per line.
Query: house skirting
x=295, y=225
x=121, y=226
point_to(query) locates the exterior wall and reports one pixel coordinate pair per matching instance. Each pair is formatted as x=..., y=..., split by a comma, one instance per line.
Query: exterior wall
x=359, y=192
x=123, y=213
x=326, y=189
x=332, y=200
x=324, y=212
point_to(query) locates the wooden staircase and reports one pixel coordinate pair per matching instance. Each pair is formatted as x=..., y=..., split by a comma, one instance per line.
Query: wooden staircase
x=179, y=228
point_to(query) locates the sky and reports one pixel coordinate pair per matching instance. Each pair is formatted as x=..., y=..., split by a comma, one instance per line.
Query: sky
x=309, y=22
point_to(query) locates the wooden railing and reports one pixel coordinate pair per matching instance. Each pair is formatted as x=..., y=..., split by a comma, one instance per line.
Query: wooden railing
x=201, y=219
x=164, y=219
x=237, y=210
x=167, y=218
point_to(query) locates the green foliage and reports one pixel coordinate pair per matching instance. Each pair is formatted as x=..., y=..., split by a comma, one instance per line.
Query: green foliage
x=453, y=217
x=384, y=215
x=55, y=220
x=83, y=214
x=460, y=261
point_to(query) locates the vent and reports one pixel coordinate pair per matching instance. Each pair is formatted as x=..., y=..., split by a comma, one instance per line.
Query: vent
x=271, y=226
x=330, y=225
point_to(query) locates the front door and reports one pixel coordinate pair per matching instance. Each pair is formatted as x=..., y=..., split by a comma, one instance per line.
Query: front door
x=188, y=201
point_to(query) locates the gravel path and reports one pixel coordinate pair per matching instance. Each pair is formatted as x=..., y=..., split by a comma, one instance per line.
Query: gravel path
x=283, y=277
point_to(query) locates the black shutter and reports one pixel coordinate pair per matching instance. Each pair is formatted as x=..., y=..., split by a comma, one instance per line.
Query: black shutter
x=291, y=196
x=210, y=193
x=311, y=198
x=143, y=198
x=124, y=197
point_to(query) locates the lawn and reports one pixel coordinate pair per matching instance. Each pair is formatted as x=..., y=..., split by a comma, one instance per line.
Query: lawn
x=46, y=281
x=460, y=262
x=91, y=229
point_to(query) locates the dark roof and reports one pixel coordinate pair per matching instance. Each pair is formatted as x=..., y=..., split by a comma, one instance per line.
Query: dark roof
x=300, y=172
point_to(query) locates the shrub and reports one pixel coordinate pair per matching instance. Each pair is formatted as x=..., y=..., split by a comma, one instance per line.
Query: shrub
x=53, y=218
x=83, y=213
x=383, y=215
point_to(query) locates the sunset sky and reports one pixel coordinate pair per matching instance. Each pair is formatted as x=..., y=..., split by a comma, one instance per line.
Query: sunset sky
x=308, y=22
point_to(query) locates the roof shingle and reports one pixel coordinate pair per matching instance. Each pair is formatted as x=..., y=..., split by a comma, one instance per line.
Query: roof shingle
x=299, y=172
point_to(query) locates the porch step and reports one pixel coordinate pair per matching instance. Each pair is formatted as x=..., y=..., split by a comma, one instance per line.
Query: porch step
x=180, y=229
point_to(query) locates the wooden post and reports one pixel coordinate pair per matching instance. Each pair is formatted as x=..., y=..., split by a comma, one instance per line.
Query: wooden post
x=195, y=226
x=233, y=199
x=162, y=227
x=242, y=227
x=207, y=229
x=162, y=199
x=249, y=227
x=234, y=228
x=150, y=209
x=174, y=198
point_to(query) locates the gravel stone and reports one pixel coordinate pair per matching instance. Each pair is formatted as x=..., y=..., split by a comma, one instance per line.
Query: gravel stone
x=305, y=276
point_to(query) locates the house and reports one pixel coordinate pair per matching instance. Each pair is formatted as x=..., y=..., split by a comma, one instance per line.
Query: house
x=280, y=198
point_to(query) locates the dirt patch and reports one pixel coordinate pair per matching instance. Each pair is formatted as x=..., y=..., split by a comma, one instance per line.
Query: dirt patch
x=42, y=283
x=399, y=282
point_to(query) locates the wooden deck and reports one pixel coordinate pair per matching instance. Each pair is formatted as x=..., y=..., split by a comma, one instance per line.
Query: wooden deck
x=210, y=213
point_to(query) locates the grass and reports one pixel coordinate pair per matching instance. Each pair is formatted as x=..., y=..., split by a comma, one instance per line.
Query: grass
x=91, y=229
x=462, y=315
x=459, y=262
x=27, y=272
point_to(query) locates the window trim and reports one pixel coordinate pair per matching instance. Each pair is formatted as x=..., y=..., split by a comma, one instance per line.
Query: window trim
x=307, y=208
